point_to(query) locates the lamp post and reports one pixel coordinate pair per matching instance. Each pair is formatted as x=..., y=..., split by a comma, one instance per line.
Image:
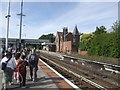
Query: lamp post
x=8, y=19
x=21, y=15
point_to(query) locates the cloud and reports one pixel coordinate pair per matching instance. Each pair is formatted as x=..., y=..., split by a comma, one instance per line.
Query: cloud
x=86, y=15
x=91, y=15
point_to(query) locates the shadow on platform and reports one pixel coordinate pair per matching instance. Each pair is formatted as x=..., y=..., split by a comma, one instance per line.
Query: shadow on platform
x=42, y=83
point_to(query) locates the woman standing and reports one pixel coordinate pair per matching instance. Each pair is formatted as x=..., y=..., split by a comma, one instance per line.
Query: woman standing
x=8, y=71
x=21, y=68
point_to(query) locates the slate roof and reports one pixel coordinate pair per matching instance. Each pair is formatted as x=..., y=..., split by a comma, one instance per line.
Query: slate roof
x=75, y=31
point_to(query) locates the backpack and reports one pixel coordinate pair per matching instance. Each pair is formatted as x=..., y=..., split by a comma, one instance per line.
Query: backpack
x=32, y=59
x=4, y=64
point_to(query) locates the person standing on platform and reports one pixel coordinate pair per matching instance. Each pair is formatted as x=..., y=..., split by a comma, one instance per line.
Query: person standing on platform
x=33, y=63
x=16, y=74
x=21, y=68
x=8, y=71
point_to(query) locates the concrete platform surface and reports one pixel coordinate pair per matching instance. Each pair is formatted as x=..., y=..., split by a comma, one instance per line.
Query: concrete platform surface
x=47, y=79
x=43, y=82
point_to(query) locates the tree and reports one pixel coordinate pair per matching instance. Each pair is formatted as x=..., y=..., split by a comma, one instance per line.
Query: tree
x=97, y=46
x=106, y=44
x=116, y=26
x=100, y=30
x=49, y=37
x=85, y=41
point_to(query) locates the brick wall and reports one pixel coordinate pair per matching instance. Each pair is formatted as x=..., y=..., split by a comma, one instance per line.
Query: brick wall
x=61, y=46
x=68, y=46
x=82, y=52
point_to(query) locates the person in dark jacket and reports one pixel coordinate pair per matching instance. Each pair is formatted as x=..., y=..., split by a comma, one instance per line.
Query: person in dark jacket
x=33, y=63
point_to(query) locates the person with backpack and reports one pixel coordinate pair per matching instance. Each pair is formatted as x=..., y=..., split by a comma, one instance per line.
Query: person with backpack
x=8, y=66
x=33, y=63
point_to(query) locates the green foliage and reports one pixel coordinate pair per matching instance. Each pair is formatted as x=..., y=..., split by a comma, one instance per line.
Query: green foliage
x=49, y=37
x=100, y=30
x=106, y=44
x=116, y=26
x=85, y=41
x=102, y=43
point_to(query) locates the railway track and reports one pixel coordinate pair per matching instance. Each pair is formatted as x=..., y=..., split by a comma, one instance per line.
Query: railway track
x=115, y=68
x=80, y=75
x=98, y=69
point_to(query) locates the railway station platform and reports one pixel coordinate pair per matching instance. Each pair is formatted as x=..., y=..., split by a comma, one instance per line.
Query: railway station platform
x=47, y=79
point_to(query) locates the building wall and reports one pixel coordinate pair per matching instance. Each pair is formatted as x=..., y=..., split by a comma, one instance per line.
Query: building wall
x=76, y=42
x=68, y=46
x=61, y=46
x=57, y=41
x=52, y=48
x=57, y=45
x=67, y=42
x=82, y=52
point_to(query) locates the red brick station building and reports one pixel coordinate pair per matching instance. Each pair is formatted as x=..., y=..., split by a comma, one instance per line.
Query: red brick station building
x=67, y=42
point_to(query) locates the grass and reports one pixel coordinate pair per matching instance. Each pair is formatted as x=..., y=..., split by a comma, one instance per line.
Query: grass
x=99, y=58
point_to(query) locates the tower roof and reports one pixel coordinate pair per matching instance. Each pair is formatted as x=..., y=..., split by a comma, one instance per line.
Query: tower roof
x=75, y=31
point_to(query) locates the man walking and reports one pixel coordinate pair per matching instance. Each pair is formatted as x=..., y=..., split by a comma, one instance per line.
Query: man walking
x=33, y=61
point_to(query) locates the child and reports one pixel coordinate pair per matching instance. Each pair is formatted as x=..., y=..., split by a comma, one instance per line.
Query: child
x=16, y=74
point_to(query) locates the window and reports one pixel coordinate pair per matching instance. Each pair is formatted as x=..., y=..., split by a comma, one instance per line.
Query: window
x=73, y=40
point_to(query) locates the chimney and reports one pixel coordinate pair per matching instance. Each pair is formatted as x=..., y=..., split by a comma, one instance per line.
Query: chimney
x=65, y=30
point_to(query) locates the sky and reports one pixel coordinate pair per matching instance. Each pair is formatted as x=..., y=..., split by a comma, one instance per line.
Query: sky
x=51, y=16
